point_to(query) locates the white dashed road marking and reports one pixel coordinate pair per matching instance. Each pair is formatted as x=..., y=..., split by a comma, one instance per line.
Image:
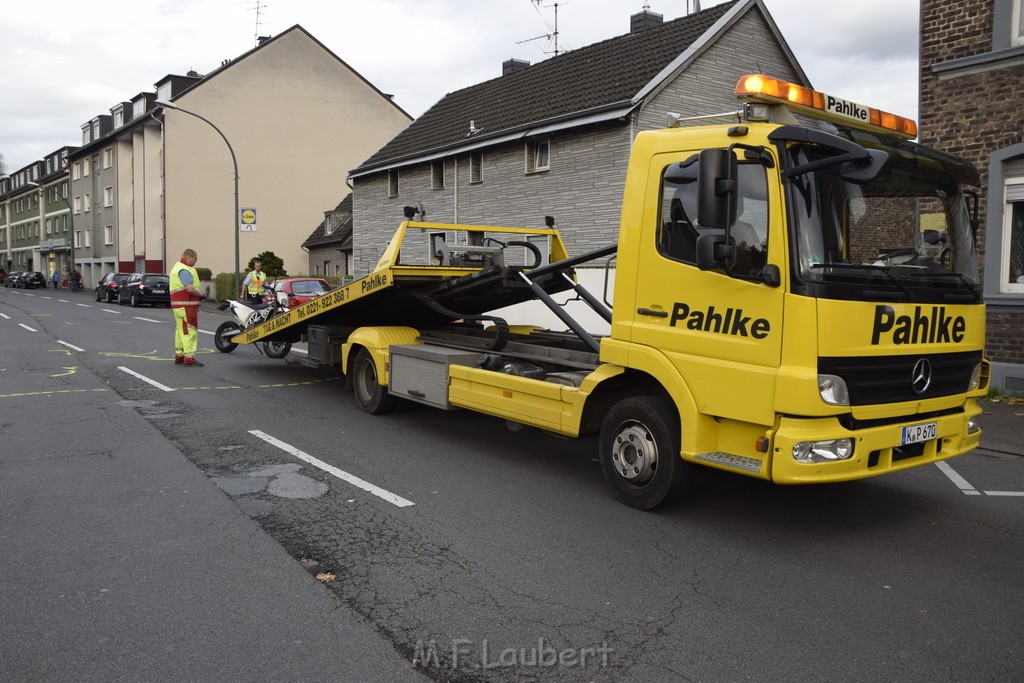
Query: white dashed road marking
x=145, y=379
x=331, y=469
x=966, y=487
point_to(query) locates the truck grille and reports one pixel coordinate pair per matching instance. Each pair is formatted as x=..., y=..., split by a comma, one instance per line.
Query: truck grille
x=889, y=379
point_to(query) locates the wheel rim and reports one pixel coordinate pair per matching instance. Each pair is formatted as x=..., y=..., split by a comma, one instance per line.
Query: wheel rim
x=225, y=336
x=366, y=379
x=635, y=454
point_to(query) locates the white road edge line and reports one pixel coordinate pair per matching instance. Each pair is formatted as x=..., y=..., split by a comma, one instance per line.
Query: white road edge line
x=30, y=329
x=70, y=346
x=960, y=482
x=331, y=469
x=109, y=310
x=148, y=320
x=145, y=379
x=84, y=305
x=5, y=317
x=1004, y=493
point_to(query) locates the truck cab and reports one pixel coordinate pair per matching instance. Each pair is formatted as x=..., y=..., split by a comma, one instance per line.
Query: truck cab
x=806, y=291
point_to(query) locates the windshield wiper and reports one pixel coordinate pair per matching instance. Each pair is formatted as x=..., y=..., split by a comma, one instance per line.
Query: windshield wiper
x=880, y=269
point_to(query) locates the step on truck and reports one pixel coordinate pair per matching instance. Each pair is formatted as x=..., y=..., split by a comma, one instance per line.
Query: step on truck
x=796, y=298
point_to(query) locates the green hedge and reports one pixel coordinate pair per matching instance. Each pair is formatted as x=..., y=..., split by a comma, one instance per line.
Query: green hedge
x=224, y=287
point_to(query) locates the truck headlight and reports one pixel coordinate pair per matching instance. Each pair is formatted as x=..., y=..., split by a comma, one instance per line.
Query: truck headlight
x=833, y=390
x=972, y=425
x=811, y=452
x=975, y=378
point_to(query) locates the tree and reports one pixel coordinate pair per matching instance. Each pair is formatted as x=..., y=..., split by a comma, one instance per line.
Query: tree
x=3, y=165
x=273, y=265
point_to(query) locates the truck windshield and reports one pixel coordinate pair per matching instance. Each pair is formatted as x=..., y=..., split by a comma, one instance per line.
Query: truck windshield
x=904, y=236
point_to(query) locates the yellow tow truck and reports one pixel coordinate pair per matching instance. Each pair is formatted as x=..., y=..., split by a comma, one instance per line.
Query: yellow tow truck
x=796, y=298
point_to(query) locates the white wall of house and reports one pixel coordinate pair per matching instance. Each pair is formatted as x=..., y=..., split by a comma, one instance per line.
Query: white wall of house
x=298, y=118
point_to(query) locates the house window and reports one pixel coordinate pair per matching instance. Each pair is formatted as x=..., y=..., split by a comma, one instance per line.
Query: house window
x=78, y=239
x=85, y=202
x=1012, y=276
x=49, y=226
x=108, y=234
x=87, y=236
x=393, y=183
x=437, y=175
x=118, y=118
x=108, y=196
x=76, y=170
x=85, y=168
x=476, y=162
x=538, y=156
x=108, y=157
x=78, y=204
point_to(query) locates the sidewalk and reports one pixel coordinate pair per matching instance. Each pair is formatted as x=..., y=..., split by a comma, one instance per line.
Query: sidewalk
x=1002, y=428
x=120, y=560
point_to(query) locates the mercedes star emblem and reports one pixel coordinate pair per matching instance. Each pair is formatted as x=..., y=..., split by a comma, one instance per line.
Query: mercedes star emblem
x=921, y=377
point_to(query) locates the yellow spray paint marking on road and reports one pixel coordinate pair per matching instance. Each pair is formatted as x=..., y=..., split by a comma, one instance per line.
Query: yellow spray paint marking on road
x=149, y=355
x=70, y=371
x=257, y=386
x=49, y=393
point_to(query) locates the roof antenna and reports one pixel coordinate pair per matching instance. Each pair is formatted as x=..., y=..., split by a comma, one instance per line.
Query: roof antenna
x=554, y=31
x=257, y=6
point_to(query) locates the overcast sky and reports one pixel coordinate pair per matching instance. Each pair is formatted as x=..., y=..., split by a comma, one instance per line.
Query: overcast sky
x=65, y=62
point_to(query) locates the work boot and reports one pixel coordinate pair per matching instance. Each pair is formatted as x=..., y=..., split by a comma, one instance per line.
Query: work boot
x=178, y=360
x=192, y=363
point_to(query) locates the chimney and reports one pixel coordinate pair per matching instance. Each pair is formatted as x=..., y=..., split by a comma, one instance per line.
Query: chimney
x=510, y=66
x=261, y=39
x=642, y=21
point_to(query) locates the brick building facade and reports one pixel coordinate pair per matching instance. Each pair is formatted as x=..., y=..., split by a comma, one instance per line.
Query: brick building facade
x=972, y=55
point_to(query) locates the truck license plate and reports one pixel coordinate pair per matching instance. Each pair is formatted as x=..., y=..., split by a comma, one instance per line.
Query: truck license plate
x=919, y=433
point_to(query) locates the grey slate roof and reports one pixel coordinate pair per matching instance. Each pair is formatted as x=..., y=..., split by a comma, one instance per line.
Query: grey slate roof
x=577, y=83
x=342, y=235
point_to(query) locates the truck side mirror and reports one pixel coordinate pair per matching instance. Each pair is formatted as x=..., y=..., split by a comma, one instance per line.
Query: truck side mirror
x=716, y=188
x=715, y=250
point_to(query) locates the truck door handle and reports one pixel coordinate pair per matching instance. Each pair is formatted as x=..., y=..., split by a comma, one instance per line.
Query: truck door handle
x=652, y=312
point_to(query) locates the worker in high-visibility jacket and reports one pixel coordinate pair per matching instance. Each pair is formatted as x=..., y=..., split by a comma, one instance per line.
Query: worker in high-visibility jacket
x=252, y=287
x=185, y=298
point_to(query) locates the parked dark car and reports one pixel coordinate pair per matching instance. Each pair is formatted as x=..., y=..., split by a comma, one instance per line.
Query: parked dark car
x=145, y=288
x=107, y=288
x=32, y=279
x=12, y=278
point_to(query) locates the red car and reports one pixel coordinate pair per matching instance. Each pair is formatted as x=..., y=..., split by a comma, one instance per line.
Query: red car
x=295, y=291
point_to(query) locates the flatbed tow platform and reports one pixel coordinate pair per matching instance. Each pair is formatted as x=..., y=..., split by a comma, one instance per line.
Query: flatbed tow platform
x=432, y=275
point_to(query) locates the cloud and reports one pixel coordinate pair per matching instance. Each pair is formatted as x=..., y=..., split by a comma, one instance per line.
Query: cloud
x=57, y=77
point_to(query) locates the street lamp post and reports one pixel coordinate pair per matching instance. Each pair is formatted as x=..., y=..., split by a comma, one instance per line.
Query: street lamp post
x=234, y=161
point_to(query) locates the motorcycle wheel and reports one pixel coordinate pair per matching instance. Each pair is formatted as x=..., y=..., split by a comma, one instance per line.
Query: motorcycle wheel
x=222, y=337
x=276, y=349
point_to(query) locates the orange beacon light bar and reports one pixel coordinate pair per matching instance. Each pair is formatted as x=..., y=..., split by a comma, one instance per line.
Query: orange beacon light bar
x=820, y=105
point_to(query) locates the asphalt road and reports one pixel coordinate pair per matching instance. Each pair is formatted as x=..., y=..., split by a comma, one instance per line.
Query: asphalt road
x=483, y=554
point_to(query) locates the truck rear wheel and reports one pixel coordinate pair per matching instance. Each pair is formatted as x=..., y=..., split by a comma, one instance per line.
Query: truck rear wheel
x=371, y=396
x=640, y=443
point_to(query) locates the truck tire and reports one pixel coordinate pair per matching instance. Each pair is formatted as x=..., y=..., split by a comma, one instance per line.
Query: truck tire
x=371, y=396
x=639, y=446
x=276, y=349
x=222, y=337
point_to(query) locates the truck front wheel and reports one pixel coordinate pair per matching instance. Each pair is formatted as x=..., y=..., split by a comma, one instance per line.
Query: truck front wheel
x=640, y=444
x=371, y=396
